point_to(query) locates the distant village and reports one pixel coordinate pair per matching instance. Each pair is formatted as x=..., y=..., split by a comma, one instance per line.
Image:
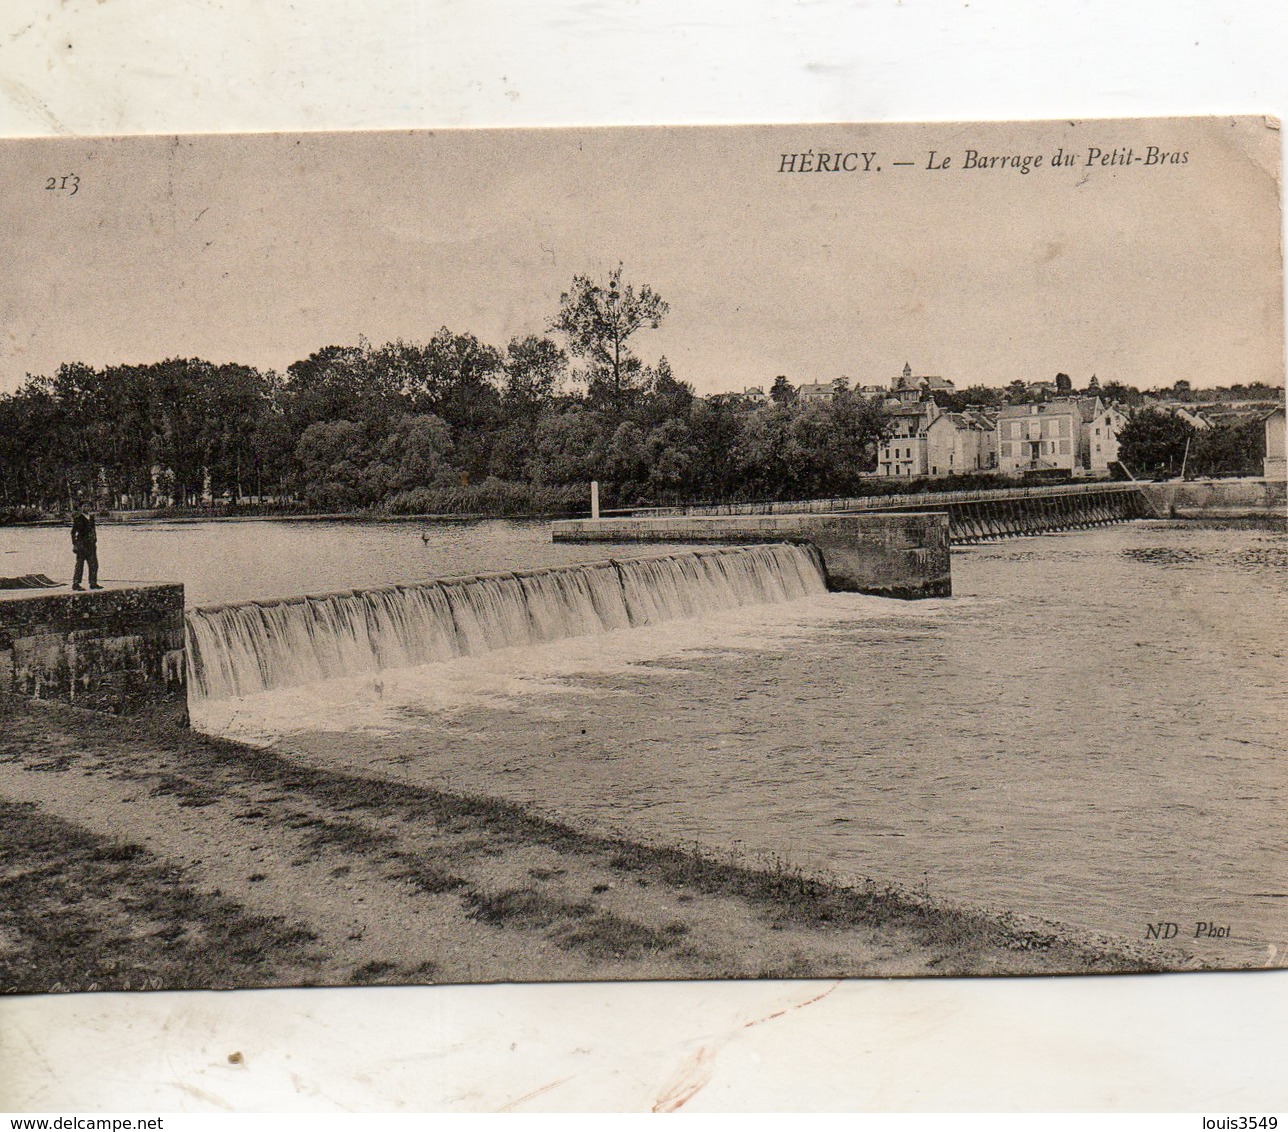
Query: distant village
x=1046, y=426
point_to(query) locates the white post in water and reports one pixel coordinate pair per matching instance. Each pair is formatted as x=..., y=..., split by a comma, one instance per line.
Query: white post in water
x=594, y=499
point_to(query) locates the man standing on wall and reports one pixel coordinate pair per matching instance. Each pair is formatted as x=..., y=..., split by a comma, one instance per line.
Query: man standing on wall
x=85, y=545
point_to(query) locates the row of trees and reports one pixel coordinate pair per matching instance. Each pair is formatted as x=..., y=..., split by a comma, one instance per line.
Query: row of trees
x=1156, y=443
x=1022, y=393
x=408, y=425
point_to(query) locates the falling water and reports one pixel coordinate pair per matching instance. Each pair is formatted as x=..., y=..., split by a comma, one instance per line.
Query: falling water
x=235, y=650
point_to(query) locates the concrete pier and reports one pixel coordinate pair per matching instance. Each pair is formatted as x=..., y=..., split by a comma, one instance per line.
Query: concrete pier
x=119, y=649
x=890, y=555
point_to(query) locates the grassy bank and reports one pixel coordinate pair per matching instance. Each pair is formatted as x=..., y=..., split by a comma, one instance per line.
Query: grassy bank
x=136, y=857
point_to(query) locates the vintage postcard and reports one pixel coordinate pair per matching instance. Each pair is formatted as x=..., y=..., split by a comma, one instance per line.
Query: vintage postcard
x=675, y=553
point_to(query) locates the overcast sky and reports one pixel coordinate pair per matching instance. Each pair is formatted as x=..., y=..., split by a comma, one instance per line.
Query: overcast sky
x=262, y=249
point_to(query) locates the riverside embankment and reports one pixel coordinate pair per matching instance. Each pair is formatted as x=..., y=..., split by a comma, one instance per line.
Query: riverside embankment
x=141, y=858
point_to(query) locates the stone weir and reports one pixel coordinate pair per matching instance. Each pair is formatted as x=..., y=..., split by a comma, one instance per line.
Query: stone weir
x=252, y=646
x=889, y=555
x=119, y=649
x=993, y=515
x=972, y=515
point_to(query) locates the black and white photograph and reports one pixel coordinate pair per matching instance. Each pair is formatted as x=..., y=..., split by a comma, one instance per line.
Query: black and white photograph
x=675, y=553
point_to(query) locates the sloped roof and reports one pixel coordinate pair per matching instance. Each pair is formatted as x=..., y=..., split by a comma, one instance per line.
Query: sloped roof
x=1049, y=408
x=963, y=421
x=1239, y=416
x=1089, y=407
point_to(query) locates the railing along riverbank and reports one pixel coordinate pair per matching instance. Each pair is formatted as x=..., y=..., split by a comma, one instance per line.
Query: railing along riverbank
x=972, y=515
x=920, y=501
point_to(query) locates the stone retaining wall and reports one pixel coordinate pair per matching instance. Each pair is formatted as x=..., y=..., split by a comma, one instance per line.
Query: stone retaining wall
x=119, y=649
x=1216, y=498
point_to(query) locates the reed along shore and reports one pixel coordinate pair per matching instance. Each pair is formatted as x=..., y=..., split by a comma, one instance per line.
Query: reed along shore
x=141, y=858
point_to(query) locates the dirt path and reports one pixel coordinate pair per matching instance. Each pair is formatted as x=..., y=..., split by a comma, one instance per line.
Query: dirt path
x=138, y=858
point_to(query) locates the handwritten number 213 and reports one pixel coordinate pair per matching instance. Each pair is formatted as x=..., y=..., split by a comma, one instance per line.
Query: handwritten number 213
x=61, y=183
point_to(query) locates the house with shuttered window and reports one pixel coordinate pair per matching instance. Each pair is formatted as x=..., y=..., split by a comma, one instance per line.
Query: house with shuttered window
x=1038, y=437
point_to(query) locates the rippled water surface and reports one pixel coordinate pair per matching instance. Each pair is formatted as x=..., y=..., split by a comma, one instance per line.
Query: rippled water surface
x=1090, y=731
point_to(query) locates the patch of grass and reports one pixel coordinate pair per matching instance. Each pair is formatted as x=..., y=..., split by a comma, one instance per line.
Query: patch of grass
x=83, y=912
x=523, y=908
x=372, y=972
x=349, y=836
x=425, y=877
x=58, y=764
x=609, y=936
x=576, y=926
x=794, y=967
x=189, y=793
x=118, y=851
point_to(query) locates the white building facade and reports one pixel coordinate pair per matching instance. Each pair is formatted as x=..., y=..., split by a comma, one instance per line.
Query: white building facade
x=959, y=443
x=1038, y=437
x=904, y=453
x=1101, y=426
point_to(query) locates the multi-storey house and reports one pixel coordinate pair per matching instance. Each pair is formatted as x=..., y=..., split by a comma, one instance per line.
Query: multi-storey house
x=904, y=452
x=961, y=442
x=1101, y=425
x=1038, y=437
x=816, y=392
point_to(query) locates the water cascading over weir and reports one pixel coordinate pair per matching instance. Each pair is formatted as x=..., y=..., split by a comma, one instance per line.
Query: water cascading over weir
x=247, y=647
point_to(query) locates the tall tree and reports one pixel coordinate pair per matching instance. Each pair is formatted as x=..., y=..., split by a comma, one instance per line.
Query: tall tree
x=1234, y=449
x=333, y=457
x=668, y=397
x=1117, y=391
x=782, y=392
x=414, y=454
x=343, y=383
x=598, y=322
x=461, y=375
x=1153, y=443
x=861, y=426
x=568, y=447
x=534, y=368
x=714, y=428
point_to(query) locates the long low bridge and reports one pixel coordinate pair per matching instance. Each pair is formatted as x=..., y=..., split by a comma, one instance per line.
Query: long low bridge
x=972, y=515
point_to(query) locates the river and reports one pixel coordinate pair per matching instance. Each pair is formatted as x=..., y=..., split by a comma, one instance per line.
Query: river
x=1091, y=731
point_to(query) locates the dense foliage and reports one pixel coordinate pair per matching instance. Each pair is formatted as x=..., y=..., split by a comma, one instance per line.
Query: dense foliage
x=452, y=424
x=1158, y=444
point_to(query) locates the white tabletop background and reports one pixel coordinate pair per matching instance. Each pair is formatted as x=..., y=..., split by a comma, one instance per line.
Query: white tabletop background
x=1215, y=1043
